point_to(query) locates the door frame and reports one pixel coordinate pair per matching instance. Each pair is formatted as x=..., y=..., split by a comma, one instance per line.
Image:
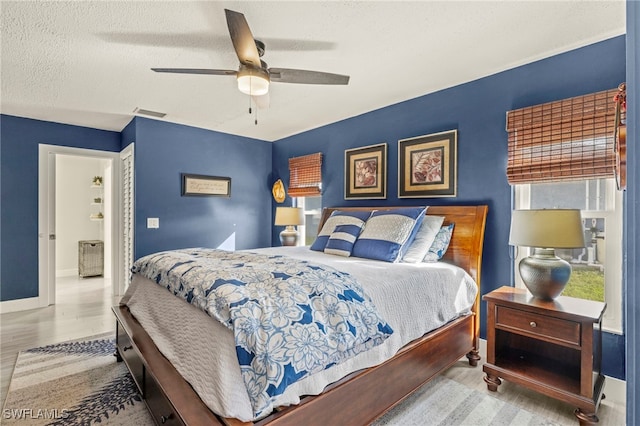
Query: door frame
x=46, y=217
x=127, y=244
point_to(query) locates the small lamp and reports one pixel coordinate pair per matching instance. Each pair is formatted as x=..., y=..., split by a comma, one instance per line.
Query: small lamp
x=289, y=217
x=545, y=274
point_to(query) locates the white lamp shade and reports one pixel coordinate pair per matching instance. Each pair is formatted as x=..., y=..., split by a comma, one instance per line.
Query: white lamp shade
x=547, y=228
x=288, y=216
x=253, y=81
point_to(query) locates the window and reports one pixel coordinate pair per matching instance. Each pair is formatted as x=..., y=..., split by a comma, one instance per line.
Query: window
x=305, y=175
x=312, y=208
x=596, y=269
x=305, y=187
x=560, y=155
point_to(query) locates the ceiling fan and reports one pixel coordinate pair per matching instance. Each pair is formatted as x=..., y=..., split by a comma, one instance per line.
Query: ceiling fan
x=253, y=75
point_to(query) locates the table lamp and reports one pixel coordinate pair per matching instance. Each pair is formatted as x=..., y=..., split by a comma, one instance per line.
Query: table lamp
x=543, y=273
x=289, y=217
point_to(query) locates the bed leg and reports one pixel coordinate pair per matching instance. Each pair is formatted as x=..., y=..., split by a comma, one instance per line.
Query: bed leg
x=473, y=357
x=116, y=353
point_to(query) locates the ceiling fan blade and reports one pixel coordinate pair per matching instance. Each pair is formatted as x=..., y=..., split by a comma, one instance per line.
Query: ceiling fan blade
x=287, y=75
x=195, y=71
x=262, y=102
x=242, y=39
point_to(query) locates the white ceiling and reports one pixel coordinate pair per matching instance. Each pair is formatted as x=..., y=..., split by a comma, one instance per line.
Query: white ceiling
x=88, y=62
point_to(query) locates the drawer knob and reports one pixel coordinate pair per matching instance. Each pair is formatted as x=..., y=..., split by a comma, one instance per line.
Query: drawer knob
x=533, y=324
x=126, y=348
x=164, y=419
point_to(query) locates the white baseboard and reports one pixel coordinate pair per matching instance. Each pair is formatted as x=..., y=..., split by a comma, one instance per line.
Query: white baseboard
x=614, y=389
x=19, y=305
x=66, y=272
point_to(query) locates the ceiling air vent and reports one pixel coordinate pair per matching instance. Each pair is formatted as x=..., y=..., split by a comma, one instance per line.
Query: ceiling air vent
x=148, y=112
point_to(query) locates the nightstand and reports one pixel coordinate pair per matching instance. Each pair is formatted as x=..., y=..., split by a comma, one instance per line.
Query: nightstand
x=552, y=347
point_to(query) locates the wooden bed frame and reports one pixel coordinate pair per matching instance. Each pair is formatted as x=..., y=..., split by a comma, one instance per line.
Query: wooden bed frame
x=371, y=392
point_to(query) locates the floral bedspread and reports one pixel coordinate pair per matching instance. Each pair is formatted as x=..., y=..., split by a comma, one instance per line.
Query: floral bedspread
x=290, y=318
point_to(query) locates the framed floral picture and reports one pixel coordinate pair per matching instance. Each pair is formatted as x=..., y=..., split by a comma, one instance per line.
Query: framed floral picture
x=427, y=165
x=365, y=172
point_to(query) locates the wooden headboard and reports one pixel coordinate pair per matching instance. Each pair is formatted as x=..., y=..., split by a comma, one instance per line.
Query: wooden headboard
x=465, y=249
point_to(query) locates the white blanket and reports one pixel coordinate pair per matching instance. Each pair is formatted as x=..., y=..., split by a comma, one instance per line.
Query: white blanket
x=413, y=298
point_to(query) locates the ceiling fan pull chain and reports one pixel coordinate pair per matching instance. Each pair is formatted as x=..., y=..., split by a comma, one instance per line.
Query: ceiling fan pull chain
x=249, y=94
x=251, y=97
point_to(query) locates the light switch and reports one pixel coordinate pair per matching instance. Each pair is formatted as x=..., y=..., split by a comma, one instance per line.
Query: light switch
x=153, y=222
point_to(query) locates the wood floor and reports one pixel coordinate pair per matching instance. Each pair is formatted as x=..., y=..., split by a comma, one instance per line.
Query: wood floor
x=83, y=308
x=610, y=413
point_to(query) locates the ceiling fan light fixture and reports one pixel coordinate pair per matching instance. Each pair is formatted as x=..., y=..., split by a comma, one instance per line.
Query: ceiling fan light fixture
x=254, y=82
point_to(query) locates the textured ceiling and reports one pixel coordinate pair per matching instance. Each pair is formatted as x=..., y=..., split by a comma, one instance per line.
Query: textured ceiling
x=88, y=62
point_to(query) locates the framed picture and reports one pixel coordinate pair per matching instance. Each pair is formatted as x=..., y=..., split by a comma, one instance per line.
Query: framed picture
x=427, y=166
x=201, y=185
x=365, y=172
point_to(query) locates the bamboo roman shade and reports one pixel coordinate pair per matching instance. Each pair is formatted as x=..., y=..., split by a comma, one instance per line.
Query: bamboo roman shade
x=305, y=175
x=563, y=140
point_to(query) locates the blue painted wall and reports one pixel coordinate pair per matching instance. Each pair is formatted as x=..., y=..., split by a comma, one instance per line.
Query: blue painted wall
x=128, y=134
x=162, y=152
x=20, y=138
x=477, y=109
x=632, y=216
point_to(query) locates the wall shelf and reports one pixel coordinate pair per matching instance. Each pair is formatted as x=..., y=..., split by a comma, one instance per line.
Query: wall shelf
x=97, y=200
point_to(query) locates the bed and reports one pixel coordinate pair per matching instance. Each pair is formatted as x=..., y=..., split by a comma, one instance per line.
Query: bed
x=370, y=391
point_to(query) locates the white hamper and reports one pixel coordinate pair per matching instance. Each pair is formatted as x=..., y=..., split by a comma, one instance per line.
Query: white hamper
x=90, y=258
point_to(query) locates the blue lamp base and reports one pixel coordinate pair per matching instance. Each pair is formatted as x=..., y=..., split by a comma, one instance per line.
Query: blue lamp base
x=544, y=274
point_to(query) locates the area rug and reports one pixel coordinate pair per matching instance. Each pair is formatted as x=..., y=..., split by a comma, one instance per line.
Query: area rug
x=80, y=383
x=445, y=402
x=73, y=383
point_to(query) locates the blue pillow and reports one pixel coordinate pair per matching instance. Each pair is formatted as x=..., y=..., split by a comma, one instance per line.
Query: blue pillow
x=338, y=217
x=388, y=233
x=440, y=244
x=342, y=239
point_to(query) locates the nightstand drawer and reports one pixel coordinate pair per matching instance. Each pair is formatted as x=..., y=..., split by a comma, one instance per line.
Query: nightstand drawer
x=542, y=326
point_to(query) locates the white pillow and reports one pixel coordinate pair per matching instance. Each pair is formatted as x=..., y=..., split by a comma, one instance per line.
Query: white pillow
x=424, y=239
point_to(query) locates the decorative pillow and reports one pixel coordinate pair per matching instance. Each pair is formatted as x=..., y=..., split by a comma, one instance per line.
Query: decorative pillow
x=388, y=233
x=342, y=239
x=440, y=244
x=424, y=239
x=338, y=217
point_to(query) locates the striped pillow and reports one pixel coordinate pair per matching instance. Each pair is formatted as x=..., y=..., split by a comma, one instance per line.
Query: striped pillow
x=342, y=239
x=388, y=233
x=338, y=217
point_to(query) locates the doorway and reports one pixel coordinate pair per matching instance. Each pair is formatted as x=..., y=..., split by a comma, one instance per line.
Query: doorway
x=78, y=202
x=82, y=225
